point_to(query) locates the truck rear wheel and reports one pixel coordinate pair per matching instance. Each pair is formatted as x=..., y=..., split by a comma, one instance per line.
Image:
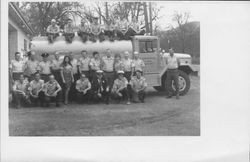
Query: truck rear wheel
x=184, y=83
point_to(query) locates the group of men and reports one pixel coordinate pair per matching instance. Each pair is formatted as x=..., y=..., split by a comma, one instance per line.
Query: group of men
x=114, y=29
x=96, y=79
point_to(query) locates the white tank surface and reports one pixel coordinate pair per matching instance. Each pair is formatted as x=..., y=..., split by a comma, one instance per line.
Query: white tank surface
x=41, y=45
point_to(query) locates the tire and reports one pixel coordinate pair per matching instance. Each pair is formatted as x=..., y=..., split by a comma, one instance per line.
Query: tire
x=184, y=84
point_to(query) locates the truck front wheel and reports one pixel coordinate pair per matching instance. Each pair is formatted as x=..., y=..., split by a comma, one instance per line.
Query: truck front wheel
x=184, y=83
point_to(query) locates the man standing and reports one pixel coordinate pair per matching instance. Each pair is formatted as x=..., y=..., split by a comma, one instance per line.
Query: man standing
x=31, y=66
x=100, y=88
x=52, y=31
x=83, y=87
x=44, y=67
x=83, y=30
x=74, y=63
x=138, y=85
x=108, y=67
x=83, y=63
x=94, y=64
x=138, y=63
x=52, y=91
x=56, y=68
x=119, y=89
x=17, y=67
x=172, y=73
x=36, y=90
x=69, y=32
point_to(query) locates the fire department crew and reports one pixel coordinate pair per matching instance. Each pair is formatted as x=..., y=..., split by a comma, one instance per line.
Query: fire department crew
x=83, y=63
x=138, y=63
x=44, y=67
x=108, y=67
x=20, y=91
x=69, y=32
x=36, y=90
x=31, y=66
x=138, y=85
x=118, y=64
x=16, y=67
x=100, y=88
x=67, y=77
x=52, y=91
x=96, y=31
x=95, y=64
x=119, y=89
x=83, y=87
x=56, y=69
x=83, y=30
x=52, y=31
x=172, y=63
x=109, y=29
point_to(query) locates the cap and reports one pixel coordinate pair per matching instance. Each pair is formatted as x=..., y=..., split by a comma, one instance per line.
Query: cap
x=120, y=72
x=136, y=52
x=99, y=71
x=45, y=55
x=138, y=70
x=83, y=75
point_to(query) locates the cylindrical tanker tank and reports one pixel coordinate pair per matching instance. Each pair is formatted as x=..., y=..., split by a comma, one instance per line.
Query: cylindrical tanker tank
x=41, y=44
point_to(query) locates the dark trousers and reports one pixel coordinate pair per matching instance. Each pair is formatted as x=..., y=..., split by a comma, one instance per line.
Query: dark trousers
x=93, y=37
x=86, y=73
x=92, y=75
x=73, y=91
x=172, y=75
x=57, y=74
x=52, y=36
x=138, y=95
x=69, y=37
x=45, y=77
x=110, y=78
x=16, y=76
x=110, y=34
x=120, y=35
x=20, y=99
x=83, y=97
x=40, y=99
x=56, y=99
x=84, y=36
x=124, y=93
x=105, y=97
x=127, y=75
x=30, y=77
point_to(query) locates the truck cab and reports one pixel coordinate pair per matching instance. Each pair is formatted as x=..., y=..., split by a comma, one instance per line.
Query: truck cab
x=155, y=70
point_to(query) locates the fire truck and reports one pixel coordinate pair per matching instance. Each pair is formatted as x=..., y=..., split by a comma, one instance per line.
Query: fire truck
x=155, y=70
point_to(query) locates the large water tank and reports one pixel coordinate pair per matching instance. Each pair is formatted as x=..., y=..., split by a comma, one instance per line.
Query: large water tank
x=41, y=44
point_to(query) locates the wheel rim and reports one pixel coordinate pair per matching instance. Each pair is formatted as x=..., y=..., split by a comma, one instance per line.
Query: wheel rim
x=182, y=84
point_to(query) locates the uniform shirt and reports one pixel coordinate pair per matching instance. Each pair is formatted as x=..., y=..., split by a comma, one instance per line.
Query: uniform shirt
x=51, y=87
x=17, y=66
x=83, y=64
x=95, y=64
x=36, y=85
x=68, y=29
x=127, y=64
x=118, y=66
x=31, y=67
x=53, y=29
x=44, y=67
x=120, y=83
x=82, y=84
x=138, y=64
x=21, y=86
x=172, y=62
x=56, y=64
x=108, y=64
x=138, y=83
x=74, y=65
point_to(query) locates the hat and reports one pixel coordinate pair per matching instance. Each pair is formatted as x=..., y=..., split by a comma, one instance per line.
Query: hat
x=45, y=55
x=120, y=72
x=139, y=70
x=99, y=71
x=83, y=75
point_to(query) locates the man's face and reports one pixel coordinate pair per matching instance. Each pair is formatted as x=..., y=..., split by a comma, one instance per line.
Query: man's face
x=45, y=59
x=83, y=77
x=53, y=22
x=108, y=53
x=99, y=75
x=120, y=76
x=95, y=21
x=138, y=74
x=84, y=54
x=70, y=22
x=171, y=52
x=21, y=78
x=96, y=56
x=18, y=56
x=51, y=78
x=56, y=56
x=32, y=56
x=126, y=55
x=136, y=55
x=37, y=76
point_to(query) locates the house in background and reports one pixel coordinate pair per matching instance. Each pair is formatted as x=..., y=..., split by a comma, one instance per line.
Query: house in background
x=20, y=31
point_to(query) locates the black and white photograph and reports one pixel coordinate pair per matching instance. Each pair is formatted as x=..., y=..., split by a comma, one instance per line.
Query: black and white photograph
x=103, y=69
x=124, y=81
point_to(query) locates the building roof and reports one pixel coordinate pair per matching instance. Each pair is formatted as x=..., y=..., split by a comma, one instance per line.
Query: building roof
x=17, y=16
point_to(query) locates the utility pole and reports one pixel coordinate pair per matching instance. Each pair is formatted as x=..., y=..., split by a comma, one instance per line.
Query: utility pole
x=150, y=19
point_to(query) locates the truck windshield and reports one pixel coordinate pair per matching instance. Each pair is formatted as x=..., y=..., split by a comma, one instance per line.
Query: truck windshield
x=148, y=46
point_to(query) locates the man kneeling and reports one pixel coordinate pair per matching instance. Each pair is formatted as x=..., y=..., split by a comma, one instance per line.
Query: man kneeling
x=83, y=87
x=119, y=89
x=36, y=90
x=52, y=91
x=138, y=85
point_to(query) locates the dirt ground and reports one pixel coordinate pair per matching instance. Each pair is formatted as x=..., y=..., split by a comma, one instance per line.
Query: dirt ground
x=158, y=116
